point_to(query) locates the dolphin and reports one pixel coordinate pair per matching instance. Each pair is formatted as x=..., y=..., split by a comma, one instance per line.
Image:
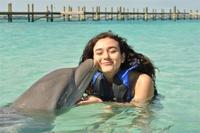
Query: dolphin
x=60, y=88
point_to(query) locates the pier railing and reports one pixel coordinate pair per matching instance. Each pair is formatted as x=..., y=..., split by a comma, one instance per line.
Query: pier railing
x=81, y=14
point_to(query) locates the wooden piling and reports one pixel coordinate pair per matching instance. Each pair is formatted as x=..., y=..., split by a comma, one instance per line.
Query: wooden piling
x=184, y=14
x=145, y=17
x=162, y=14
x=123, y=13
x=96, y=14
x=178, y=14
x=111, y=15
x=99, y=15
x=9, y=12
x=127, y=14
x=32, y=13
x=197, y=14
x=174, y=17
x=64, y=14
x=106, y=14
x=83, y=18
x=68, y=13
x=133, y=15
x=93, y=13
x=137, y=16
x=119, y=13
x=154, y=14
x=190, y=15
x=29, y=19
x=170, y=14
x=51, y=12
x=47, y=14
x=79, y=15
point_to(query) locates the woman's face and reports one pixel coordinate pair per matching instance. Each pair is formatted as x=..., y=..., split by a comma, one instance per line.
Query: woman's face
x=107, y=56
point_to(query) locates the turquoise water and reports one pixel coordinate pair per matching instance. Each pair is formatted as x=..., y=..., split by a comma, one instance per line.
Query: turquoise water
x=30, y=50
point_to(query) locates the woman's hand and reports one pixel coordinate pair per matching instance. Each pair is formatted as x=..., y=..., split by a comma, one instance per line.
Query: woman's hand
x=89, y=100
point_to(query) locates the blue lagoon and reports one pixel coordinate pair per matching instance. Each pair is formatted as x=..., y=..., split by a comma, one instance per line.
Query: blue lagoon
x=30, y=50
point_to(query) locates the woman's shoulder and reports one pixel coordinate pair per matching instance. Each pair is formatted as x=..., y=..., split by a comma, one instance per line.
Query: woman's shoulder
x=144, y=77
x=140, y=76
x=144, y=87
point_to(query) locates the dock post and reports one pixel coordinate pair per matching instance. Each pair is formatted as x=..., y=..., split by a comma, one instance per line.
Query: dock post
x=162, y=14
x=96, y=14
x=128, y=14
x=83, y=15
x=146, y=13
x=174, y=14
x=178, y=16
x=99, y=13
x=71, y=13
x=120, y=13
x=138, y=17
x=93, y=17
x=32, y=14
x=143, y=14
x=170, y=14
x=154, y=14
x=47, y=14
x=133, y=14
x=184, y=14
x=68, y=13
x=106, y=14
x=29, y=13
x=123, y=13
x=93, y=13
x=191, y=16
x=79, y=15
x=51, y=12
x=9, y=12
x=64, y=15
x=111, y=15
x=197, y=14
x=117, y=15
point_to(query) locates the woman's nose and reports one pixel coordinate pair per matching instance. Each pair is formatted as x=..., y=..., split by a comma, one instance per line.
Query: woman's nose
x=105, y=55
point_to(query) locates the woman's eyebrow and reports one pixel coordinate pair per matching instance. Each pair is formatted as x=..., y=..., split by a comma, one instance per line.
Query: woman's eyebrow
x=98, y=49
x=111, y=47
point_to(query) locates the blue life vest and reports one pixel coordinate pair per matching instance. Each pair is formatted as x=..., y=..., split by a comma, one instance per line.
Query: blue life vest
x=121, y=89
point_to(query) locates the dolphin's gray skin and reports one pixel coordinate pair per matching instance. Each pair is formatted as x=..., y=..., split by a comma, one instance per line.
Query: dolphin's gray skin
x=62, y=87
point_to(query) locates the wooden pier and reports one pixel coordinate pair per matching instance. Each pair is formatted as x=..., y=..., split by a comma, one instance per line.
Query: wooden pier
x=81, y=14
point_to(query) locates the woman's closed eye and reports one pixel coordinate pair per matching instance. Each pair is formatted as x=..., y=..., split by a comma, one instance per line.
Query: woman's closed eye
x=99, y=52
x=113, y=50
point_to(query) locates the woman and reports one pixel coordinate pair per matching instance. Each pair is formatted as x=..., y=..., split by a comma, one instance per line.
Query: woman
x=123, y=74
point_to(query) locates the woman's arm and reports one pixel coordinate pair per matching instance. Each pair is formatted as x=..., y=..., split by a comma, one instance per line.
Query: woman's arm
x=143, y=90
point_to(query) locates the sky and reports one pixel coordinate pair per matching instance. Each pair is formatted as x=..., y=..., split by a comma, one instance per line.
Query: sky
x=40, y=5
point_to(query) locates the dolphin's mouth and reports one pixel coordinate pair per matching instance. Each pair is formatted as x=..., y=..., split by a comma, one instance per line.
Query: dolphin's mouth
x=82, y=78
x=85, y=83
x=86, y=80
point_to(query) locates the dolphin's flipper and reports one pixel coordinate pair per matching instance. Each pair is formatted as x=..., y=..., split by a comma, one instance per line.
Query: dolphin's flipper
x=62, y=87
